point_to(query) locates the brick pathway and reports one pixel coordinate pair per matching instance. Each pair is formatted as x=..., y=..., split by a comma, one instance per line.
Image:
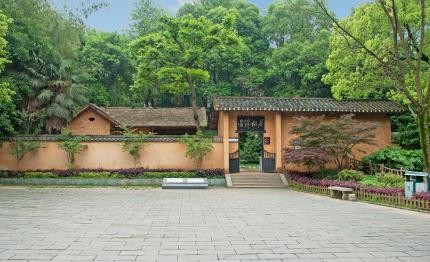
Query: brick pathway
x=113, y=224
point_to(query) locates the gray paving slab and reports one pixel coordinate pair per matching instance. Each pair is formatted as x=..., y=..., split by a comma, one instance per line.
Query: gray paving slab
x=219, y=224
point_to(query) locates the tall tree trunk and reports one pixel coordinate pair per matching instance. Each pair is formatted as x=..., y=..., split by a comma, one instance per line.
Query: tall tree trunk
x=424, y=137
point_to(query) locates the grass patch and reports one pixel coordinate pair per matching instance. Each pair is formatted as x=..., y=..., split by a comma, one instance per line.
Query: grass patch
x=98, y=175
x=30, y=175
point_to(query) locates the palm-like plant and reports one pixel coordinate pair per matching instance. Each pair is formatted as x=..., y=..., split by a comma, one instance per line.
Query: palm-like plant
x=55, y=94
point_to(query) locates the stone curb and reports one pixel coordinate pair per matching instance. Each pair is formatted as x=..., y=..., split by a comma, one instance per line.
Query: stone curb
x=95, y=182
x=284, y=179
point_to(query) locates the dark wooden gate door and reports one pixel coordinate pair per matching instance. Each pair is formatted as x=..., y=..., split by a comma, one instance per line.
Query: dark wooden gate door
x=268, y=162
x=234, y=162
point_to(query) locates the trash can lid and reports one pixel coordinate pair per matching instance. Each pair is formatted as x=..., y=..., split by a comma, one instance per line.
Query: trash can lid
x=414, y=173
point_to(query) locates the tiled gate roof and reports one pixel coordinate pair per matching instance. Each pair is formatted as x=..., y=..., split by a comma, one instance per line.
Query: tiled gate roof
x=304, y=105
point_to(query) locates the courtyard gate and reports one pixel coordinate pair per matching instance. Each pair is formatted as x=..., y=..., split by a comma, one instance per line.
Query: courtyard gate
x=234, y=164
x=268, y=162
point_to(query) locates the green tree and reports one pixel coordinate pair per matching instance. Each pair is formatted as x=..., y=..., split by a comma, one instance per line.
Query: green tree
x=8, y=114
x=241, y=70
x=176, y=60
x=108, y=68
x=44, y=73
x=146, y=17
x=294, y=20
x=19, y=148
x=72, y=145
x=197, y=146
x=152, y=52
x=55, y=95
x=299, y=34
x=402, y=54
x=352, y=73
x=4, y=23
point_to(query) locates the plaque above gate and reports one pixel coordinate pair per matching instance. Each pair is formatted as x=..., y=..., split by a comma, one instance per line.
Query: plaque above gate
x=250, y=123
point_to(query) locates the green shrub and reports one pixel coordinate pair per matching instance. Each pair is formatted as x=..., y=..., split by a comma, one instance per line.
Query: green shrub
x=168, y=174
x=72, y=145
x=350, y=175
x=19, y=148
x=197, y=146
x=40, y=175
x=99, y=175
x=391, y=180
x=396, y=157
x=383, y=180
x=133, y=143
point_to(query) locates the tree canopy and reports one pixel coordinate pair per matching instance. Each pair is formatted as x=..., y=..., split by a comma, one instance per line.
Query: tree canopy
x=383, y=50
x=7, y=108
x=56, y=64
x=51, y=63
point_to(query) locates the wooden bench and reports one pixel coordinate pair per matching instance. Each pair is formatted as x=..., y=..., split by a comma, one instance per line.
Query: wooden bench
x=340, y=192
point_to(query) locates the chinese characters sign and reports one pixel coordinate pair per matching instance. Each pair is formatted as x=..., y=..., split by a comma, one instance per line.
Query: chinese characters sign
x=250, y=123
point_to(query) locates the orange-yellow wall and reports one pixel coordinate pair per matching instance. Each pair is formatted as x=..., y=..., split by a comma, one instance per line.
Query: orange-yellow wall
x=289, y=121
x=83, y=126
x=382, y=133
x=109, y=155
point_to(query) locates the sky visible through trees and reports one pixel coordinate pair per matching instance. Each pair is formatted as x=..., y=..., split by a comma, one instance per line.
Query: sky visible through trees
x=116, y=17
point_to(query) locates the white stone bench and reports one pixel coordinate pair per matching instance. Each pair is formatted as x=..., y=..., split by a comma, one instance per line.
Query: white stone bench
x=340, y=192
x=185, y=183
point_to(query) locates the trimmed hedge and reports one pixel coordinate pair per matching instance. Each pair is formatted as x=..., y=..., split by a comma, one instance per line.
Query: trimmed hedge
x=118, y=173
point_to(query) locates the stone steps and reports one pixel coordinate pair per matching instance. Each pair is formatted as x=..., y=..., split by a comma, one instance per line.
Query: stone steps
x=255, y=180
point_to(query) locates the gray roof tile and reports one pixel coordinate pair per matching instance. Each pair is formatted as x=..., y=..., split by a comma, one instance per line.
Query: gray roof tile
x=304, y=105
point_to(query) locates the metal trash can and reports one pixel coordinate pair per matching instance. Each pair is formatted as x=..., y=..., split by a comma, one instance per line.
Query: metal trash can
x=416, y=182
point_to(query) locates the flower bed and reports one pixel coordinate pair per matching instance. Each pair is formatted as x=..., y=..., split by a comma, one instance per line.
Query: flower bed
x=300, y=178
x=117, y=173
x=386, y=196
x=423, y=196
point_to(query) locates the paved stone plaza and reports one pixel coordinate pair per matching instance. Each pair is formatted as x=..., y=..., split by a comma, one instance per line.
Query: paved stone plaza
x=113, y=224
